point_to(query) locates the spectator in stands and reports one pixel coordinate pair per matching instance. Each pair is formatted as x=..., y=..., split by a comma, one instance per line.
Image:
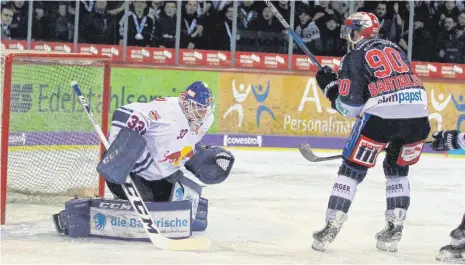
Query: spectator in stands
x=140, y=25
x=116, y=9
x=156, y=9
x=85, y=8
x=340, y=9
x=306, y=30
x=18, y=26
x=389, y=28
x=38, y=22
x=331, y=42
x=224, y=39
x=421, y=12
x=191, y=26
x=97, y=27
x=211, y=24
x=269, y=38
x=247, y=14
x=319, y=11
x=422, y=40
x=461, y=24
x=7, y=17
x=61, y=27
x=362, y=6
x=446, y=9
x=165, y=27
x=284, y=9
x=449, y=46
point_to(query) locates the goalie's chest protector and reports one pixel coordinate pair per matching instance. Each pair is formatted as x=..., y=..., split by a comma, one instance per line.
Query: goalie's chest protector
x=170, y=143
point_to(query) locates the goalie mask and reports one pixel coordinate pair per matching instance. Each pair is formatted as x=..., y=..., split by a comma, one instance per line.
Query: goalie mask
x=359, y=26
x=197, y=103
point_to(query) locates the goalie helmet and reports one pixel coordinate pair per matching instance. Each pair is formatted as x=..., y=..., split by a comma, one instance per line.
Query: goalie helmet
x=364, y=23
x=197, y=103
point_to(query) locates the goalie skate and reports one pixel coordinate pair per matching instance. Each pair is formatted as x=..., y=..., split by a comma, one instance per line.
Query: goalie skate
x=326, y=235
x=388, y=238
x=455, y=252
x=59, y=221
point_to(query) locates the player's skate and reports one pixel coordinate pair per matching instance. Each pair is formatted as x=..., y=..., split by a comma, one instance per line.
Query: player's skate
x=326, y=235
x=389, y=237
x=455, y=252
x=59, y=221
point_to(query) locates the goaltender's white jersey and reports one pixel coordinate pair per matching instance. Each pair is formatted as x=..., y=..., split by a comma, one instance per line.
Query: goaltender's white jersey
x=170, y=140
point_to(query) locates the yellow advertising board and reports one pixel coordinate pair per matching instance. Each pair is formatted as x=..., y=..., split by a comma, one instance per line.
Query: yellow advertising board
x=271, y=104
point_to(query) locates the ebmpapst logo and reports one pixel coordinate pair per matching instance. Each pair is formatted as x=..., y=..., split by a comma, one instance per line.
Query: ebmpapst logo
x=100, y=221
x=402, y=97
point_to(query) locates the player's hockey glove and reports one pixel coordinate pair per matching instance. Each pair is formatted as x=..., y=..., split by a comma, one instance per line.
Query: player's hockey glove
x=445, y=140
x=328, y=82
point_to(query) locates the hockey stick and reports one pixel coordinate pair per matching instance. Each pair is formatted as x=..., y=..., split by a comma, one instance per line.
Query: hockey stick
x=307, y=152
x=293, y=35
x=136, y=201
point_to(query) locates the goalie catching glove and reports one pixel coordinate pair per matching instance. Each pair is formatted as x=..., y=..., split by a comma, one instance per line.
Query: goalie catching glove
x=211, y=165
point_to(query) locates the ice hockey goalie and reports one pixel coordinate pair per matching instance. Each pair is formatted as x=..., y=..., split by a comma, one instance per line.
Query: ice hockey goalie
x=157, y=145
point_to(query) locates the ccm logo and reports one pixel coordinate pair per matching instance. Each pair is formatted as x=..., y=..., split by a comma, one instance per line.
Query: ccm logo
x=109, y=157
x=118, y=206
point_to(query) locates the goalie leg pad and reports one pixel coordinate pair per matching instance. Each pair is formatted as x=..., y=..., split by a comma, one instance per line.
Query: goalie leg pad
x=187, y=190
x=118, y=161
x=201, y=220
x=211, y=165
x=115, y=219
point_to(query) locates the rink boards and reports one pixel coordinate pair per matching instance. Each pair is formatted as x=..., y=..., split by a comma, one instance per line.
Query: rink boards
x=88, y=140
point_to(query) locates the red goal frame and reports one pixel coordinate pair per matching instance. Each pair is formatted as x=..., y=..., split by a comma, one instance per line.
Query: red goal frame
x=4, y=134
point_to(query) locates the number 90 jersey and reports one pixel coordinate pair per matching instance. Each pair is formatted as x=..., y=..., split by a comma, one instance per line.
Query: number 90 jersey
x=170, y=140
x=377, y=78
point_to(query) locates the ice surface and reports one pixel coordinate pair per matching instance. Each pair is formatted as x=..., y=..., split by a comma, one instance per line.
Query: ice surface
x=266, y=213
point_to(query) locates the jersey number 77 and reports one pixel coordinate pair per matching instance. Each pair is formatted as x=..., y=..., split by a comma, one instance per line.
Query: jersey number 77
x=386, y=61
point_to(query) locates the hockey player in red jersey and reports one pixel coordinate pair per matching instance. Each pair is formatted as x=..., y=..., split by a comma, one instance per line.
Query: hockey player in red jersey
x=376, y=84
x=455, y=251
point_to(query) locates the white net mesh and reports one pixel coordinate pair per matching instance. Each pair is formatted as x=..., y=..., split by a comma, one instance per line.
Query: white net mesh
x=53, y=150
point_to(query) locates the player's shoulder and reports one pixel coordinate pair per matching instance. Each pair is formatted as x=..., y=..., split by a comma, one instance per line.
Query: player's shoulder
x=380, y=44
x=158, y=110
x=350, y=59
x=167, y=107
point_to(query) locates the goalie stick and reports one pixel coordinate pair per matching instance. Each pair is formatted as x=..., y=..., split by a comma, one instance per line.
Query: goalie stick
x=308, y=154
x=136, y=201
x=293, y=35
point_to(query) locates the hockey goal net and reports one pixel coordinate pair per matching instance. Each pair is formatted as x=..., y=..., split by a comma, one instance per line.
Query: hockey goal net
x=49, y=149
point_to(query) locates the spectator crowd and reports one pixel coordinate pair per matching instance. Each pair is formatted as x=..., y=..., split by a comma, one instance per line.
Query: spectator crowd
x=438, y=34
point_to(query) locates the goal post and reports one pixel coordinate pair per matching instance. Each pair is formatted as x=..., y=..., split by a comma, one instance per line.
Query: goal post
x=49, y=149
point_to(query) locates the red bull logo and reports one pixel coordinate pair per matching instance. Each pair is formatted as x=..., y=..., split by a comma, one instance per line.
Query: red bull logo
x=154, y=115
x=176, y=157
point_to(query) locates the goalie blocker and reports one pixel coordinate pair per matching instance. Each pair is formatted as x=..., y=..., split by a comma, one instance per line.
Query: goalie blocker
x=177, y=217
